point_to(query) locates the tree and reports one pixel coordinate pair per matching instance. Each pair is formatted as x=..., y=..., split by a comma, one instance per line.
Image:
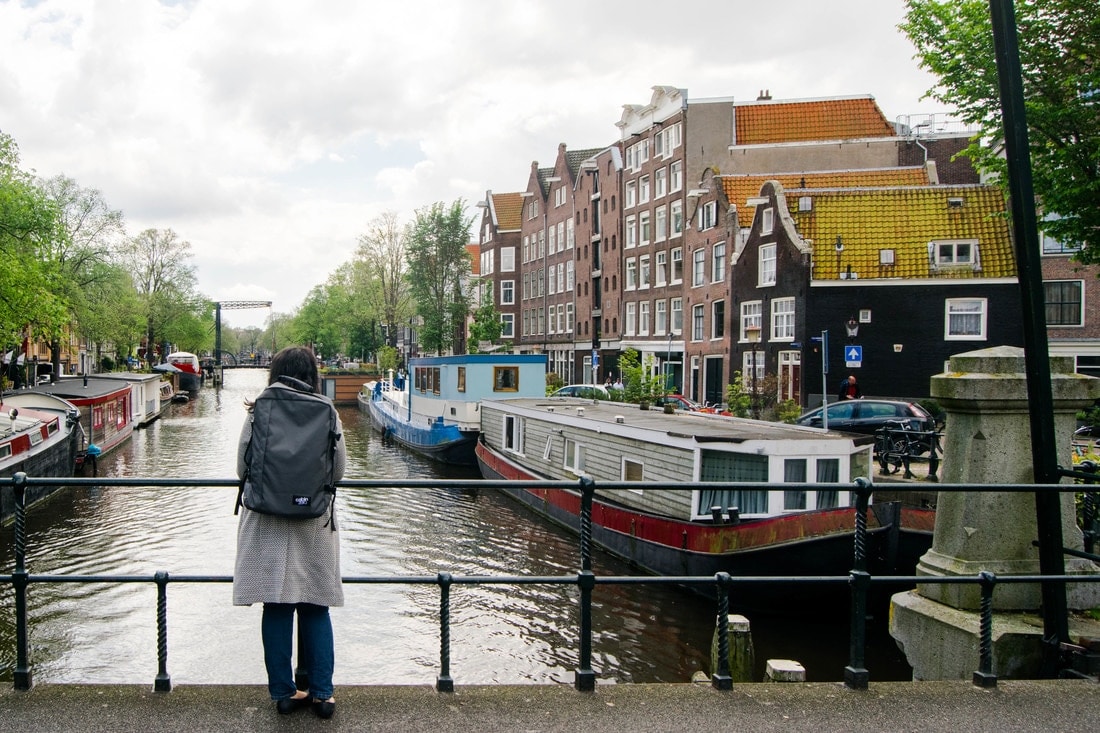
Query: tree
x=1059, y=46
x=383, y=260
x=487, y=326
x=159, y=262
x=439, y=267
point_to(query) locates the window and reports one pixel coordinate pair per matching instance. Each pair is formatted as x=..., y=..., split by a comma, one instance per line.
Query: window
x=574, y=456
x=676, y=176
x=783, y=319
x=677, y=274
x=662, y=268
x=965, y=319
x=631, y=233
x=643, y=190
x=767, y=221
x=569, y=275
x=708, y=215
x=766, y=275
x=752, y=369
x=632, y=470
x=750, y=319
x=643, y=226
x=513, y=434
x=697, y=322
x=631, y=274
x=505, y=379
x=552, y=243
x=676, y=221
x=631, y=318
x=794, y=472
x=462, y=379
x=660, y=228
x=660, y=317
x=660, y=183
x=551, y=280
x=643, y=318
x=718, y=319
x=718, y=263
x=643, y=272
x=507, y=292
x=1063, y=302
x=570, y=234
x=677, y=309
x=962, y=252
x=631, y=193
x=569, y=318
x=507, y=259
x=734, y=467
x=698, y=267
x=507, y=325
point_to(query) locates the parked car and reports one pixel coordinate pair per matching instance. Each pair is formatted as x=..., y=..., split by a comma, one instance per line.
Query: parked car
x=586, y=391
x=679, y=402
x=868, y=416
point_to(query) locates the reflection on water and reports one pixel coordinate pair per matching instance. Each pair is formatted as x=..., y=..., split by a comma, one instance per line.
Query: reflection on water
x=386, y=633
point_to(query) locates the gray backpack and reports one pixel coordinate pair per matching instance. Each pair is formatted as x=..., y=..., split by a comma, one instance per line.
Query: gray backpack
x=290, y=458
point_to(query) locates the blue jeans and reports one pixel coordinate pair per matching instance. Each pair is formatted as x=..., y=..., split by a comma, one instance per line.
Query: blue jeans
x=316, y=647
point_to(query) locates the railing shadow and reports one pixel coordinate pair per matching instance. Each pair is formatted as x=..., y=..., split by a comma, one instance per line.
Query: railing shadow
x=724, y=585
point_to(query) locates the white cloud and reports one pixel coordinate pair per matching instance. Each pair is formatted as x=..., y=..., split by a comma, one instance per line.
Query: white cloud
x=269, y=134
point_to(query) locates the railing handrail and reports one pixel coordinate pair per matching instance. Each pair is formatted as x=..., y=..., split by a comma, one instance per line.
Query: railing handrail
x=856, y=675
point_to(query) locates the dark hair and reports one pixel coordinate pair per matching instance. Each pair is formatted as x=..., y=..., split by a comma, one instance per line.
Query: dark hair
x=298, y=362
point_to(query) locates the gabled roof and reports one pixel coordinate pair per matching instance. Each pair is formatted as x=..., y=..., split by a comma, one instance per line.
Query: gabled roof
x=765, y=122
x=544, y=176
x=574, y=158
x=906, y=220
x=740, y=188
x=508, y=208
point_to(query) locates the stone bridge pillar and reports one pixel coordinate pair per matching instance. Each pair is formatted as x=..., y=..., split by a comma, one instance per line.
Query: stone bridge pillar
x=988, y=441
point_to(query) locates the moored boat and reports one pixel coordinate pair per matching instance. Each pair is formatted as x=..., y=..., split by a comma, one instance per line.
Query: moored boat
x=435, y=410
x=190, y=374
x=146, y=403
x=105, y=402
x=39, y=436
x=710, y=496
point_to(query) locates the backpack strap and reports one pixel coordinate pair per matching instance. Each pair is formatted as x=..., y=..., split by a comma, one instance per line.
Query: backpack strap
x=244, y=478
x=333, y=438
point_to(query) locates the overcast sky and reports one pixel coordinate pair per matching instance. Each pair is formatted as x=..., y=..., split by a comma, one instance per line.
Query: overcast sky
x=269, y=133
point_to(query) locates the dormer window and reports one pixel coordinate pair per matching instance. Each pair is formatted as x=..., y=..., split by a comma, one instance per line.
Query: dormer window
x=954, y=254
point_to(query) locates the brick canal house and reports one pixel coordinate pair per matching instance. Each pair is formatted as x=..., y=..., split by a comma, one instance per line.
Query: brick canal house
x=652, y=243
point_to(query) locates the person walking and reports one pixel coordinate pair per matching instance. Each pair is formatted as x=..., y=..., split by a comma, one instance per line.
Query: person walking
x=292, y=566
x=849, y=389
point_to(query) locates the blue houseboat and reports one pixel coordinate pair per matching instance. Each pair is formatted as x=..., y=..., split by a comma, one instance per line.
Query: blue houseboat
x=435, y=410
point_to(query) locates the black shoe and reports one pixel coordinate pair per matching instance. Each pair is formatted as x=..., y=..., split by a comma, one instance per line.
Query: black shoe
x=324, y=708
x=289, y=704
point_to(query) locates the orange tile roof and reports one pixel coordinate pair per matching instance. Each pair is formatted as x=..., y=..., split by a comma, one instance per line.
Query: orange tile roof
x=760, y=123
x=740, y=188
x=905, y=220
x=509, y=210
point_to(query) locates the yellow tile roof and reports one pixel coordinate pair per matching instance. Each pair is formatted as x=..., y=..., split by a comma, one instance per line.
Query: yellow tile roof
x=509, y=209
x=740, y=188
x=904, y=220
x=758, y=123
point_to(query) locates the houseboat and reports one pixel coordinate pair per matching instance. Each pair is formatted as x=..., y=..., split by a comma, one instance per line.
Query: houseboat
x=190, y=374
x=146, y=403
x=709, y=495
x=435, y=409
x=105, y=403
x=39, y=436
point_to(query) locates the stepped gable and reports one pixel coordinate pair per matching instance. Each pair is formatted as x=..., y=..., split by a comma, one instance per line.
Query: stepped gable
x=764, y=122
x=906, y=220
x=740, y=188
x=508, y=211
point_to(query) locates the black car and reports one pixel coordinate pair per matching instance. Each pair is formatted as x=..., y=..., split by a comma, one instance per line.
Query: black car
x=866, y=417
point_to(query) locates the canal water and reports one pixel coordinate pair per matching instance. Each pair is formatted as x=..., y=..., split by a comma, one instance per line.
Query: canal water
x=386, y=633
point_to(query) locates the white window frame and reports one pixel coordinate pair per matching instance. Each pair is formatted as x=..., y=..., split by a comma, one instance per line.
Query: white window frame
x=507, y=292
x=573, y=458
x=959, y=308
x=766, y=265
x=644, y=273
x=507, y=325
x=783, y=319
x=507, y=259
x=660, y=317
x=643, y=318
x=675, y=219
x=708, y=215
x=630, y=322
x=718, y=262
x=717, y=320
x=643, y=190
x=660, y=224
x=676, y=176
x=631, y=274
x=631, y=232
x=645, y=233
x=698, y=267
x=676, y=316
x=751, y=318
x=661, y=269
x=631, y=194
x=676, y=271
x=660, y=183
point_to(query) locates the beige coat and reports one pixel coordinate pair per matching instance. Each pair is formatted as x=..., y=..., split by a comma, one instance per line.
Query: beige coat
x=283, y=560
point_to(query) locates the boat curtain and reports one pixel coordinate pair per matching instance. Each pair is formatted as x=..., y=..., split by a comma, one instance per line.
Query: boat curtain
x=734, y=468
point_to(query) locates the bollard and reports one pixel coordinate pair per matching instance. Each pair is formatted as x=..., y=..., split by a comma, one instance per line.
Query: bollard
x=784, y=670
x=742, y=657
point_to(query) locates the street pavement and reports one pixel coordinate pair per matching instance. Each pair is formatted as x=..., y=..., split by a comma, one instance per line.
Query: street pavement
x=956, y=706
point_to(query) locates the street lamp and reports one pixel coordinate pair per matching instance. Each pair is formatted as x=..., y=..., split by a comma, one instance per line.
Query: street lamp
x=754, y=339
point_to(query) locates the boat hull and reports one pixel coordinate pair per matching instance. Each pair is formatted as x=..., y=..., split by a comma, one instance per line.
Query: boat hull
x=816, y=543
x=438, y=441
x=54, y=456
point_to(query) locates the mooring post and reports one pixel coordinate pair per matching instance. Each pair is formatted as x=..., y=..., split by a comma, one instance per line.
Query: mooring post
x=163, y=682
x=985, y=677
x=444, y=682
x=22, y=679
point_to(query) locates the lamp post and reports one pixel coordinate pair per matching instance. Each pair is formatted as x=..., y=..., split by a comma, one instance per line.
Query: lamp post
x=754, y=339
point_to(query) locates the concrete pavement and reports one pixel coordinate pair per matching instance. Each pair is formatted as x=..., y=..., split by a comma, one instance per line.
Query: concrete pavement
x=959, y=707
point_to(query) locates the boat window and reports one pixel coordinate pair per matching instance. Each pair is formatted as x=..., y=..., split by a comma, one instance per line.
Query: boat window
x=52, y=427
x=828, y=472
x=513, y=434
x=462, y=379
x=548, y=449
x=724, y=467
x=632, y=470
x=5, y=450
x=505, y=379
x=574, y=456
x=794, y=472
x=35, y=436
x=435, y=380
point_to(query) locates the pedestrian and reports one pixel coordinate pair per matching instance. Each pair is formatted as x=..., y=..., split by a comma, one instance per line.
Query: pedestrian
x=849, y=389
x=292, y=566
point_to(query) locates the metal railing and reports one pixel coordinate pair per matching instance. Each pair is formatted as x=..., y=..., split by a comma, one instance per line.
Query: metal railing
x=1076, y=661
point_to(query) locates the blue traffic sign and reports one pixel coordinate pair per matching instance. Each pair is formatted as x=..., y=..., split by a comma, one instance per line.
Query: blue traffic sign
x=853, y=355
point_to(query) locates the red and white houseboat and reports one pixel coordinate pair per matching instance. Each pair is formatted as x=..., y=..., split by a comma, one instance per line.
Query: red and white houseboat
x=39, y=436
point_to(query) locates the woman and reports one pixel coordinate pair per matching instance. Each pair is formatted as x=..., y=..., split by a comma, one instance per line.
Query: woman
x=292, y=565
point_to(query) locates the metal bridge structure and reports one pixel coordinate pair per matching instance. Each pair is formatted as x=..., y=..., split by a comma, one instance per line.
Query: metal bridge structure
x=230, y=305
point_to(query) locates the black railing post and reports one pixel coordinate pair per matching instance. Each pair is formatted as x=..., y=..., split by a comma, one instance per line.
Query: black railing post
x=584, y=678
x=1088, y=508
x=985, y=677
x=855, y=674
x=722, y=679
x=444, y=682
x=22, y=677
x=163, y=682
